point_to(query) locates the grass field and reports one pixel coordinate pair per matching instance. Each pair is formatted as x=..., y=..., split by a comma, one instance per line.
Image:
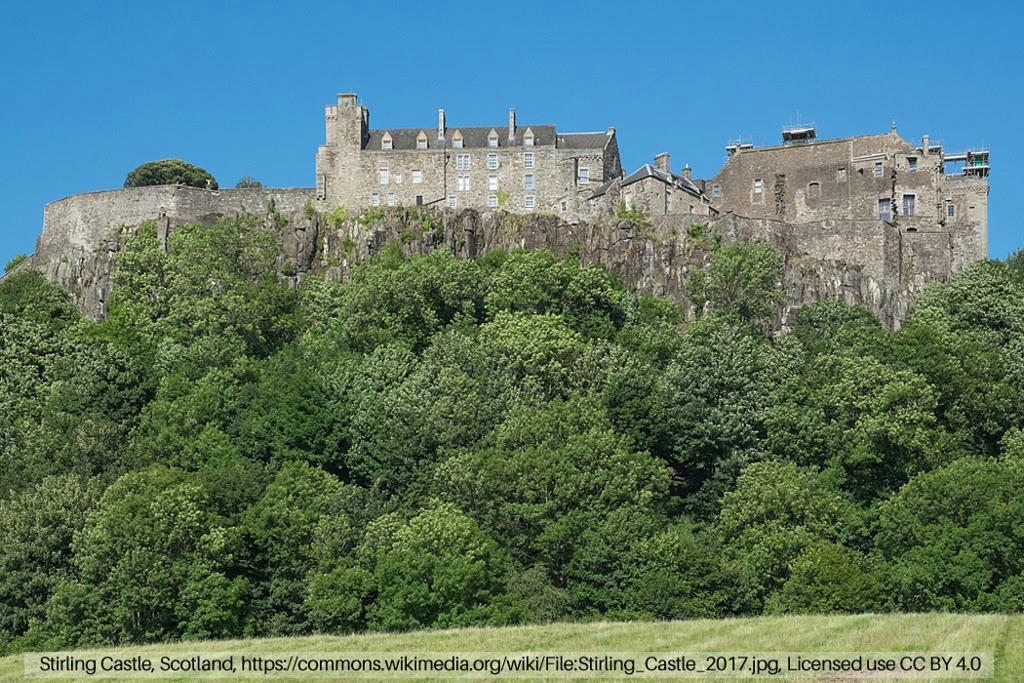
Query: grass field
x=1001, y=634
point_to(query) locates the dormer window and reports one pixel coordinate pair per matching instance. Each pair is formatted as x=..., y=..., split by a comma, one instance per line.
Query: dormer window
x=457, y=139
x=385, y=142
x=492, y=138
x=528, y=138
x=421, y=140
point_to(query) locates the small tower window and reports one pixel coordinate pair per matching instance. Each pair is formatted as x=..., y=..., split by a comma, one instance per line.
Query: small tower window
x=878, y=169
x=758, y=186
x=950, y=210
x=912, y=163
x=716, y=190
x=814, y=189
x=584, y=175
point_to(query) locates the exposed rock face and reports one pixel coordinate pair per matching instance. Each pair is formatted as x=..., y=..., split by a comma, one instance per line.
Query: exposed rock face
x=82, y=235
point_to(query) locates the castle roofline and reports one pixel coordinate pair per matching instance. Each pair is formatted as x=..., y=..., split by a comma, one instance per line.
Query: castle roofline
x=818, y=143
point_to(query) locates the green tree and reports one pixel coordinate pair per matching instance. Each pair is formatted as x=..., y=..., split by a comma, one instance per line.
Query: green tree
x=952, y=538
x=154, y=564
x=15, y=262
x=247, y=182
x=775, y=512
x=826, y=578
x=36, y=530
x=437, y=569
x=742, y=280
x=170, y=172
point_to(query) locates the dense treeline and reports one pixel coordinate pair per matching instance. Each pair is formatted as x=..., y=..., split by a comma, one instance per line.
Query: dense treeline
x=443, y=442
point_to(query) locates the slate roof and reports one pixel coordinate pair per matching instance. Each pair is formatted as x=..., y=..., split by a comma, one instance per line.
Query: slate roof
x=477, y=137
x=648, y=171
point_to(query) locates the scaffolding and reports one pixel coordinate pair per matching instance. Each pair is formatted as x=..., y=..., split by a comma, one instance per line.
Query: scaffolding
x=802, y=132
x=975, y=162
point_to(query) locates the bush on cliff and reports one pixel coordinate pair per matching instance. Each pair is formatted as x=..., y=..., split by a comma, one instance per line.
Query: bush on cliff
x=170, y=172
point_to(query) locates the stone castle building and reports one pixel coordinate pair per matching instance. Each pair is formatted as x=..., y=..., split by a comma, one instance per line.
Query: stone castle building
x=518, y=168
x=868, y=219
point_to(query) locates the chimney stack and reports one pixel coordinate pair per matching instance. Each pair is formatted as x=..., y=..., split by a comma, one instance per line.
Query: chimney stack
x=688, y=172
x=440, y=124
x=924, y=145
x=511, y=125
x=661, y=162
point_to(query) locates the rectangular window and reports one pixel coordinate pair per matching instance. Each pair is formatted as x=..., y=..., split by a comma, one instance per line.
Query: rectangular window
x=417, y=177
x=950, y=210
x=884, y=209
x=758, y=185
x=375, y=199
x=462, y=183
x=912, y=163
x=419, y=200
x=457, y=143
x=584, y=175
x=452, y=201
x=908, y=204
x=529, y=201
x=563, y=207
x=528, y=160
x=668, y=203
x=383, y=176
x=716, y=190
x=421, y=144
x=461, y=162
x=528, y=141
x=492, y=161
x=492, y=201
x=391, y=198
x=385, y=144
x=492, y=183
x=878, y=169
x=841, y=175
x=528, y=181
x=398, y=179
x=492, y=142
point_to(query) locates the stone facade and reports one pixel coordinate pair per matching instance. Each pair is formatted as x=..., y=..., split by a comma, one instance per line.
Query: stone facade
x=515, y=167
x=869, y=219
x=653, y=191
x=875, y=200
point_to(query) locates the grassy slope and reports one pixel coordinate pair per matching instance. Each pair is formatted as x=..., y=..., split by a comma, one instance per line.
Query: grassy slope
x=859, y=633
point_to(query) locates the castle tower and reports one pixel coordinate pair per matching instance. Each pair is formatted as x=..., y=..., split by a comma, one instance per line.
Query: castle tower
x=350, y=122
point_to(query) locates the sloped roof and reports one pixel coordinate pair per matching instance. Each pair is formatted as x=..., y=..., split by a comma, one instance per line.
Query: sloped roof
x=472, y=136
x=648, y=171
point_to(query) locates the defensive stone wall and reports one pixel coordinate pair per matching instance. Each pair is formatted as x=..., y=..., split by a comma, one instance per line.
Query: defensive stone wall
x=82, y=233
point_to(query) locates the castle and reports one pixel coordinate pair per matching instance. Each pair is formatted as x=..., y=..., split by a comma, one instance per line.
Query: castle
x=874, y=217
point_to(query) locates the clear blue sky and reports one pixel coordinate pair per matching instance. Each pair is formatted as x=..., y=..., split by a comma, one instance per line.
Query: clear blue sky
x=91, y=90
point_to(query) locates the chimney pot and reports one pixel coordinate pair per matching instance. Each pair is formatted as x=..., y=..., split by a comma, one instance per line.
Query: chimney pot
x=511, y=124
x=688, y=172
x=440, y=123
x=661, y=162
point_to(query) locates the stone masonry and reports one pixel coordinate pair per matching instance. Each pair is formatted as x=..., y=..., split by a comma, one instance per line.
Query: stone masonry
x=869, y=219
x=515, y=167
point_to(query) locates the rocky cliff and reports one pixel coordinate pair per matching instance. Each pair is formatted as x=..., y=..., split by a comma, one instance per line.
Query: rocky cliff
x=82, y=235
